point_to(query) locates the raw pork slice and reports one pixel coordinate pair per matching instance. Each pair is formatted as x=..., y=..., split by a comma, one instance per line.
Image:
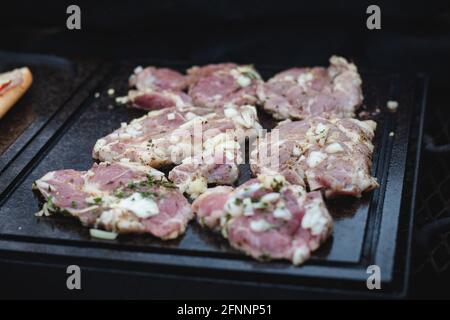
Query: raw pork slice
x=209, y=207
x=122, y=197
x=158, y=88
x=158, y=79
x=267, y=218
x=154, y=100
x=299, y=93
x=333, y=155
x=206, y=147
x=193, y=175
x=218, y=85
x=147, y=139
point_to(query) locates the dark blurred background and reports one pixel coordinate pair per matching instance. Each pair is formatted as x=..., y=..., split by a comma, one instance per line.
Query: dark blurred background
x=415, y=37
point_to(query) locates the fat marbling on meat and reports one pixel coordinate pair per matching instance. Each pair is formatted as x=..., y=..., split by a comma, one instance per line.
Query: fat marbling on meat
x=121, y=197
x=267, y=218
x=299, y=93
x=333, y=155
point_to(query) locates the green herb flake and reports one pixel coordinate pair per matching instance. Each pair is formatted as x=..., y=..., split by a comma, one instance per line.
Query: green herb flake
x=119, y=194
x=161, y=182
x=148, y=194
x=277, y=185
x=98, y=200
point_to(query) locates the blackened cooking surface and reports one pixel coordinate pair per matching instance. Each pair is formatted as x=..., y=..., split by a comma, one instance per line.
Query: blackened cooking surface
x=356, y=221
x=102, y=116
x=54, y=80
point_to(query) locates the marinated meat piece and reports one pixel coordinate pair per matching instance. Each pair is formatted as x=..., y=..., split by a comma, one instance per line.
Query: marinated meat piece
x=171, y=136
x=215, y=86
x=299, y=93
x=158, y=88
x=209, y=206
x=218, y=164
x=333, y=155
x=220, y=155
x=155, y=100
x=267, y=218
x=122, y=197
x=168, y=136
x=134, y=141
x=158, y=79
x=63, y=192
x=196, y=72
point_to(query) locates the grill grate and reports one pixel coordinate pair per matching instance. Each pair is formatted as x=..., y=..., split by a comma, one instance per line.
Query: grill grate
x=432, y=221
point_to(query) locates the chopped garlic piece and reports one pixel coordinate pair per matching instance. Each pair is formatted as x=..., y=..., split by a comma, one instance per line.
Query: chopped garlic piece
x=244, y=81
x=304, y=78
x=111, y=92
x=138, y=69
x=300, y=255
x=314, y=218
x=392, y=105
x=296, y=151
x=320, y=128
x=271, y=182
x=197, y=187
x=140, y=206
x=101, y=234
x=230, y=112
x=315, y=158
x=282, y=213
x=132, y=131
x=245, y=116
x=334, y=148
x=232, y=208
x=260, y=225
x=122, y=100
x=270, y=197
x=248, y=207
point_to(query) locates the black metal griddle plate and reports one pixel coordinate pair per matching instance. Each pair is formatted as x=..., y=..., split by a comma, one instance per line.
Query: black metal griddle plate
x=372, y=230
x=55, y=80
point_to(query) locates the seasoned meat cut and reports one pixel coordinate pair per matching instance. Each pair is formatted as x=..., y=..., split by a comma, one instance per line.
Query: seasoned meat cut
x=209, y=206
x=267, y=218
x=158, y=79
x=215, y=86
x=333, y=155
x=122, y=197
x=299, y=93
x=158, y=88
x=195, y=142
